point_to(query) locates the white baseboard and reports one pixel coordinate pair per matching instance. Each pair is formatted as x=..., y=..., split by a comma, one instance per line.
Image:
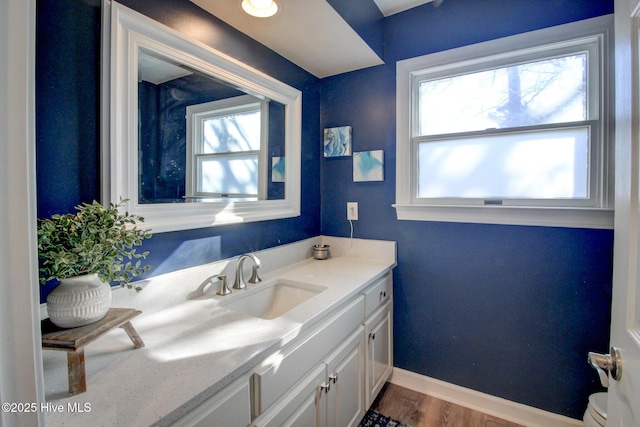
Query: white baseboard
x=495, y=406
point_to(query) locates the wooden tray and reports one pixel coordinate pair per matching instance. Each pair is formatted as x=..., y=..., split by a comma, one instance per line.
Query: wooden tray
x=74, y=340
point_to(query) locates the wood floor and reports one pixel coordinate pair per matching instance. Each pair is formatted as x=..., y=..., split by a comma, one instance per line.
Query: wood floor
x=419, y=410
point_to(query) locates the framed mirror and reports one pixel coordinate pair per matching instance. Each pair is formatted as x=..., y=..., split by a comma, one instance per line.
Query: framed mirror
x=196, y=138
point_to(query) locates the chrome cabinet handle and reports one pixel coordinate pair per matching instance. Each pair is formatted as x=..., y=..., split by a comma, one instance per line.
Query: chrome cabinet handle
x=607, y=363
x=372, y=336
x=333, y=378
x=325, y=387
x=383, y=295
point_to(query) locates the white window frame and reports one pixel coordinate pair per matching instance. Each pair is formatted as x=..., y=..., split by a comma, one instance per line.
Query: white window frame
x=597, y=213
x=196, y=115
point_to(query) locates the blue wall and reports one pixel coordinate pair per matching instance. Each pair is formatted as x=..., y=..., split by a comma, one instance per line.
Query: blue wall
x=67, y=125
x=507, y=310
x=67, y=104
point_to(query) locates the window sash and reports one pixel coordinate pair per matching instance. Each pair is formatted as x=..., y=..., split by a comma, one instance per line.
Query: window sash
x=466, y=102
x=588, y=46
x=592, y=168
x=245, y=185
x=239, y=144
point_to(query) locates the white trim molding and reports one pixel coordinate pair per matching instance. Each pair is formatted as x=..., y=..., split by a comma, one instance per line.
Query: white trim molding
x=510, y=215
x=486, y=403
x=131, y=31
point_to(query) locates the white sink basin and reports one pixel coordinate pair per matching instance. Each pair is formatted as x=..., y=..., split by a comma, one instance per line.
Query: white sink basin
x=271, y=300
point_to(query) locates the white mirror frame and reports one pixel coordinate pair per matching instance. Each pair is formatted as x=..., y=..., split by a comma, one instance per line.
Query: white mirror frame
x=129, y=31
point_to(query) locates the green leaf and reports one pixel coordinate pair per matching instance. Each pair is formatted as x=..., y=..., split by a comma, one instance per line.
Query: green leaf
x=93, y=240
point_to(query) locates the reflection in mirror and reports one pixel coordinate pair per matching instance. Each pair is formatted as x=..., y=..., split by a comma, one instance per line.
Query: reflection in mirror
x=188, y=125
x=201, y=139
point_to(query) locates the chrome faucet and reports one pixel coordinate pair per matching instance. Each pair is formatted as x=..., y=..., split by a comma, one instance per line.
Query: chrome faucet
x=239, y=281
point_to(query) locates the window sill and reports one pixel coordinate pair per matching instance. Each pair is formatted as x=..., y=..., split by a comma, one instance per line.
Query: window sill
x=509, y=215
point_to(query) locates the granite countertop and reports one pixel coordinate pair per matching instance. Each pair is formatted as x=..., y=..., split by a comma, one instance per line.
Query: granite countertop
x=193, y=349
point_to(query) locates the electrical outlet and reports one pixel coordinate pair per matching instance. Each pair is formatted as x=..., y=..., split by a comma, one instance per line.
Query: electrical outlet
x=352, y=210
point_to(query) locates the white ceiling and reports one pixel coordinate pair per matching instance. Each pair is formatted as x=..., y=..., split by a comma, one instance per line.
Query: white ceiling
x=157, y=71
x=309, y=33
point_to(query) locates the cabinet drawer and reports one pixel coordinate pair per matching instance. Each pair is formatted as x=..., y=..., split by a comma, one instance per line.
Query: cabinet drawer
x=229, y=407
x=378, y=293
x=282, y=370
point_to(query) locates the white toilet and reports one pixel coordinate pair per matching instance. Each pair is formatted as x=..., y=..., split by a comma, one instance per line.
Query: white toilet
x=596, y=413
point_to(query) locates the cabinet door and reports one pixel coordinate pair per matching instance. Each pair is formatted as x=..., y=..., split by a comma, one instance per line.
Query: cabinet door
x=311, y=412
x=345, y=369
x=304, y=406
x=379, y=350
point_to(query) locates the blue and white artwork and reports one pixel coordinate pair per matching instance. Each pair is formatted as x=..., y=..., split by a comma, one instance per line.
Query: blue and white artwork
x=337, y=141
x=277, y=169
x=368, y=166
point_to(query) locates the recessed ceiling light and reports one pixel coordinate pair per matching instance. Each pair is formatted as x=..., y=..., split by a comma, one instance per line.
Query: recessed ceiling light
x=260, y=8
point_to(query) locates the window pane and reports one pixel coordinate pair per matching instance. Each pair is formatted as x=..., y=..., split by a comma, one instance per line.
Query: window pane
x=228, y=174
x=535, y=93
x=550, y=164
x=233, y=132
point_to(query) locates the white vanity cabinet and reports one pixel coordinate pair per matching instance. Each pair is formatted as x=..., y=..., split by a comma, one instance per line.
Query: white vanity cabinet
x=328, y=376
x=378, y=329
x=337, y=390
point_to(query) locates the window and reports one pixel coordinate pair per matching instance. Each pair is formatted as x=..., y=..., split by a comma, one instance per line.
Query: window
x=225, y=142
x=509, y=131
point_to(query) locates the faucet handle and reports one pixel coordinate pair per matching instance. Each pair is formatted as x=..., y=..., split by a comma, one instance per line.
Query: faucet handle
x=224, y=289
x=254, y=275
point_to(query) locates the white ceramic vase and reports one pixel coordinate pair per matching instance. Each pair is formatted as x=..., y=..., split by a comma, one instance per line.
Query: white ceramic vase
x=79, y=301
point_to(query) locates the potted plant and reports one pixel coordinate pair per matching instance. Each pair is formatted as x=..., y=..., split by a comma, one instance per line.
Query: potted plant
x=86, y=251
